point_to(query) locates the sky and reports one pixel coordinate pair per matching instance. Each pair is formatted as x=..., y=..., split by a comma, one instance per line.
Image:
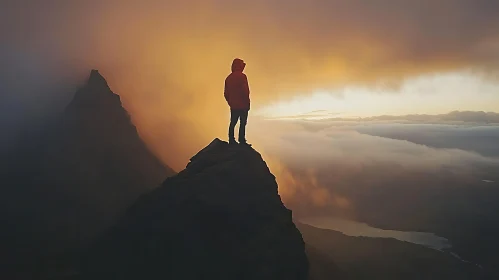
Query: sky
x=413, y=62
x=426, y=94
x=167, y=59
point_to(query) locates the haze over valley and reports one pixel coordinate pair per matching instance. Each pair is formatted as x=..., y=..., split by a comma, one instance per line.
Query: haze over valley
x=376, y=123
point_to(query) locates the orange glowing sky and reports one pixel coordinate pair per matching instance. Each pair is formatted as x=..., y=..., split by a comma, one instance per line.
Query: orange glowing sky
x=168, y=59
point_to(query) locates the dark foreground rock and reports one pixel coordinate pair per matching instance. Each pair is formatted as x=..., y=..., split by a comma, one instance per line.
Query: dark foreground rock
x=220, y=218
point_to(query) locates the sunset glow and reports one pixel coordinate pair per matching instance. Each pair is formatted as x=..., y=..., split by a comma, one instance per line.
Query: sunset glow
x=427, y=94
x=230, y=139
x=167, y=59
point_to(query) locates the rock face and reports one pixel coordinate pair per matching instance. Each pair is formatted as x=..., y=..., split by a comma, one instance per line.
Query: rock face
x=68, y=183
x=96, y=157
x=220, y=218
x=97, y=160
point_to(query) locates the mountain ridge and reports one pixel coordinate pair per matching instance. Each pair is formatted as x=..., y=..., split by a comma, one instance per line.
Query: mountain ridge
x=68, y=181
x=219, y=218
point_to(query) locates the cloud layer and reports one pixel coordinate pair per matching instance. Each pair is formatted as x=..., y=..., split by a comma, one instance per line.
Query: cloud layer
x=168, y=59
x=331, y=169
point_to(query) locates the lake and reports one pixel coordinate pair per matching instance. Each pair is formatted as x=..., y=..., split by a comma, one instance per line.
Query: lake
x=352, y=228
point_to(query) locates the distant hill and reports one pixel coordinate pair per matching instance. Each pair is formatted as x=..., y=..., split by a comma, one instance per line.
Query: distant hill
x=64, y=184
x=359, y=258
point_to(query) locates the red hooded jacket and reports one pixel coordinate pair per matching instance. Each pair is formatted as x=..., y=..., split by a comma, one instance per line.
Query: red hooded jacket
x=236, y=90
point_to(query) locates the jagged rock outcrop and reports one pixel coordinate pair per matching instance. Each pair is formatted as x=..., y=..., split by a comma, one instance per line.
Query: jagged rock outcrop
x=220, y=218
x=97, y=159
x=68, y=184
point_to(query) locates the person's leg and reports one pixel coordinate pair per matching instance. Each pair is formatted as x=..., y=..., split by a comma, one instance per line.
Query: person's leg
x=234, y=116
x=242, y=126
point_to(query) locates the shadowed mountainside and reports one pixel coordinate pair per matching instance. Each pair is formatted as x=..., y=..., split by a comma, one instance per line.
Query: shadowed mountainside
x=366, y=258
x=66, y=183
x=220, y=218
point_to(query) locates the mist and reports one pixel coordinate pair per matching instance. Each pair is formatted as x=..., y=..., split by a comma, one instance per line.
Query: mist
x=167, y=59
x=339, y=168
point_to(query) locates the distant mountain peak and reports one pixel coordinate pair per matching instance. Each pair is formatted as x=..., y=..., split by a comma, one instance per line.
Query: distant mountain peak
x=73, y=179
x=96, y=79
x=96, y=97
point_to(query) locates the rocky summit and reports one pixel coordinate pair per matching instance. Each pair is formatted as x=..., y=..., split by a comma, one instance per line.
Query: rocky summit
x=219, y=218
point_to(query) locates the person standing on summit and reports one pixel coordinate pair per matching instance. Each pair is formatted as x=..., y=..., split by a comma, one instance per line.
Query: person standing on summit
x=236, y=94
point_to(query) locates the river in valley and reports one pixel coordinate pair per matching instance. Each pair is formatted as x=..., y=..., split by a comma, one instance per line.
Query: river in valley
x=353, y=228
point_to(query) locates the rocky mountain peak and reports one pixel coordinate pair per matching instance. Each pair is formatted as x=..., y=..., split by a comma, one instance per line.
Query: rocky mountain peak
x=96, y=80
x=220, y=218
x=96, y=97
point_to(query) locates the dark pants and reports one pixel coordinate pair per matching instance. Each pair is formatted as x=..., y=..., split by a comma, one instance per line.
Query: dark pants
x=236, y=115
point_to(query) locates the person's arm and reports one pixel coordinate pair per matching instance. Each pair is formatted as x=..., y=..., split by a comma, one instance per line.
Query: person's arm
x=246, y=90
x=246, y=87
x=226, y=92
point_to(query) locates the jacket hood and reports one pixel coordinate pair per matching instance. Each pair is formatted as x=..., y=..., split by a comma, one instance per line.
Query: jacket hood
x=238, y=65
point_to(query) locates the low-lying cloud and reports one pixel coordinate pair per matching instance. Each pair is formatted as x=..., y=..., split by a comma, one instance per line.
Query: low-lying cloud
x=477, y=117
x=325, y=117
x=340, y=164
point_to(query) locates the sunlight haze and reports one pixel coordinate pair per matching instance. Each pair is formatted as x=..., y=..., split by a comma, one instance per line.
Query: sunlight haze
x=427, y=94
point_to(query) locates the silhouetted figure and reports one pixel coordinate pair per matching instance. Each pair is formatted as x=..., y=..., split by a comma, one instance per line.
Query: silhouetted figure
x=237, y=95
